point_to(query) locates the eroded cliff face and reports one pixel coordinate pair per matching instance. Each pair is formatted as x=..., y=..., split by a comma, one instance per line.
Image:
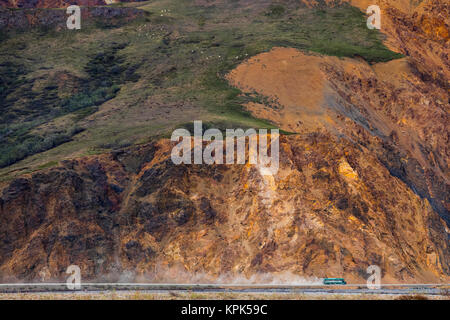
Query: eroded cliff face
x=420, y=30
x=332, y=209
x=386, y=108
x=365, y=180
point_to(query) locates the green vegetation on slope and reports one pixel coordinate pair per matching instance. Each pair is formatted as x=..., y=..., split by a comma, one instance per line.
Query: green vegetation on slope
x=159, y=72
x=28, y=109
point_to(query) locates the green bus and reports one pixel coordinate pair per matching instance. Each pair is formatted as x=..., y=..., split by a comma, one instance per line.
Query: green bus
x=335, y=281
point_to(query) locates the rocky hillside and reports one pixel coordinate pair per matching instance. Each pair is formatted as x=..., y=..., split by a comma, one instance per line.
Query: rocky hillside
x=364, y=158
x=135, y=214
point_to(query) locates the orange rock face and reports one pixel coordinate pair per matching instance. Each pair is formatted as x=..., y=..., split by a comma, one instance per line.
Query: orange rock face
x=327, y=211
x=381, y=107
x=364, y=181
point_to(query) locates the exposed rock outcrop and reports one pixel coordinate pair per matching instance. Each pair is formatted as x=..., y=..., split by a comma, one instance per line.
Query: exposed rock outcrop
x=387, y=108
x=327, y=211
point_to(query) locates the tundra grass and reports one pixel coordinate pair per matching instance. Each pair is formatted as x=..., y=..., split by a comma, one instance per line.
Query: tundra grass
x=126, y=81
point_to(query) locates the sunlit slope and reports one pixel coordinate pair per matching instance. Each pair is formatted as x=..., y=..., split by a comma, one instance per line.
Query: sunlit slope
x=363, y=177
x=130, y=74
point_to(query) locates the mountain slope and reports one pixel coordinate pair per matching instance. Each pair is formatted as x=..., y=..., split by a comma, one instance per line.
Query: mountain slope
x=135, y=214
x=363, y=179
